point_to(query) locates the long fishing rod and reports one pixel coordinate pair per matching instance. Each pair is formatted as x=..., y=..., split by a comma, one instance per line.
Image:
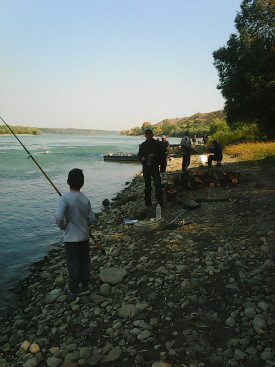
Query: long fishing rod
x=50, y=181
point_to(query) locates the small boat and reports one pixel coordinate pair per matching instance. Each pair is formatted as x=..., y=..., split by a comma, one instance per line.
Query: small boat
x=120, y=157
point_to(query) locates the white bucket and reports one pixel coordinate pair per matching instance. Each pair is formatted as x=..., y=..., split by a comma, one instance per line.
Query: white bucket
x=203, y=158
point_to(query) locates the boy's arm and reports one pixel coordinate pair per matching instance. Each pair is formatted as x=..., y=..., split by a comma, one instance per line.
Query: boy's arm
x=91, y=217
x=60, y=214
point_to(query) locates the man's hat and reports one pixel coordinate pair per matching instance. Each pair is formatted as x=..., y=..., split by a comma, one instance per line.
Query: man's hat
x=163, y=136
x=148, y=132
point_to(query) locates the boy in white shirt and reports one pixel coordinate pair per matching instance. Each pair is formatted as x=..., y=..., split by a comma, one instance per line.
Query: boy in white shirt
x=74, y=215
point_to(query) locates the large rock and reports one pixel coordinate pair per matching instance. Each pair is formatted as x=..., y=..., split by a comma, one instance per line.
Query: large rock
x=112, y=275
x=128, y=311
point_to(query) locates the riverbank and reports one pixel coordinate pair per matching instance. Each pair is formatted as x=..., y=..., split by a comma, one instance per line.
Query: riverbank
x=196, y=294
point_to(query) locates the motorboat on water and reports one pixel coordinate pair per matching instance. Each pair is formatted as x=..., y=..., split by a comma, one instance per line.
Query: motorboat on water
x=120, y=157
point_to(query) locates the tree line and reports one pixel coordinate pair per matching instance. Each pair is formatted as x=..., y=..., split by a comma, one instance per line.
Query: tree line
x=41, y=130
x=20, y=130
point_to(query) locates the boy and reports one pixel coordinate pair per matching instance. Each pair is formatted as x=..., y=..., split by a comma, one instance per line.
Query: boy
x=74, y=215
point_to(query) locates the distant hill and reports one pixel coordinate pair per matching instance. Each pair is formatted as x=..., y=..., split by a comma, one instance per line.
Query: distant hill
x=198, y=124
x=206, y=117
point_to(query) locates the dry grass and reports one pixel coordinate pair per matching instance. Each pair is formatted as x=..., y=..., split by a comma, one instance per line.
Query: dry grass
x=251, y=151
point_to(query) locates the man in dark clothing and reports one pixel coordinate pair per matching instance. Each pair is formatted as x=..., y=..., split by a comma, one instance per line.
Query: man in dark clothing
x=164, y=146
x=217, y=154
x=151, y=155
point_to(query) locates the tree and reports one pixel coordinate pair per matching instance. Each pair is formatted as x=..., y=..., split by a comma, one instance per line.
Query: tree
x=246, y=67
x=167, y=127
x=146, y=126
x=218, y=125
x=137, y=131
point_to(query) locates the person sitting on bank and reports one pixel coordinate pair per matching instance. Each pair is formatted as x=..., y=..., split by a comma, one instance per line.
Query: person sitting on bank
x=164, y=146
x=205, y=139
x=151, y=155
x=217, y=156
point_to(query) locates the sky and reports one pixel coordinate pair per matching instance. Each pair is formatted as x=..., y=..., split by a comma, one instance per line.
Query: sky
x=110, y=64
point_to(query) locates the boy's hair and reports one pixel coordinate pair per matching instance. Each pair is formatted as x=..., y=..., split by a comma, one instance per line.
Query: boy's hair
x=75, y=179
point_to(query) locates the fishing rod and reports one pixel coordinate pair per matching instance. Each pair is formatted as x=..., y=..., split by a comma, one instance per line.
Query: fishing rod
x=50, y=181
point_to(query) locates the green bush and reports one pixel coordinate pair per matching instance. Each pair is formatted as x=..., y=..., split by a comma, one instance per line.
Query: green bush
x=242, y=133
x=218, y=125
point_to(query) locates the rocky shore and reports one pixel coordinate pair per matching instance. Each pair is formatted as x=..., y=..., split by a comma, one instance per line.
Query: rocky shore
x=197, y=293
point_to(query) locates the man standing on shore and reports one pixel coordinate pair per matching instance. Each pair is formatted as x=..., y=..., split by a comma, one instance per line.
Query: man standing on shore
x=164, y=143
x=186, y=151
x=151, y=155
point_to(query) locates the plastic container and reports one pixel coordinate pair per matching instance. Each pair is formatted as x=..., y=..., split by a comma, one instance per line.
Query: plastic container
x=158, y=211
x=203, y=158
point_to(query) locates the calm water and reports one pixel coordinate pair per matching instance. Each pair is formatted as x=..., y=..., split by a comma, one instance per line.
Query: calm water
x=28, y=201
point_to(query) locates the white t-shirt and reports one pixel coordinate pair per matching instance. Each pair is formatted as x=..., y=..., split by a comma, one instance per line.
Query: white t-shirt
x=75, y=209
x=186, y=144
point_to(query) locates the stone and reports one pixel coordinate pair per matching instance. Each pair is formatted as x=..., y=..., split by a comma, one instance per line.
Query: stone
x=259, y=322
x=24, y=347
x=105, y=289
x=84, y=352
x=94, y=360
x=160, y=364
x=6, y=347
x=112, y=275
x=56, y=292
x=113, y=355
x=32, y=362
x=34, y=348
x=105, y=202
x=54, y=350
x=250, y=312
x=97, y=299
x=144, y=335
x=127, y=311
x=54, y=362
x=267, y=355
x=230, y=321
x=239, y=355
x=263, y=306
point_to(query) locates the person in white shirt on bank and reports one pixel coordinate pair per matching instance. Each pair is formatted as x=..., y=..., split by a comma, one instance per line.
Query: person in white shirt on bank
x=74, y=215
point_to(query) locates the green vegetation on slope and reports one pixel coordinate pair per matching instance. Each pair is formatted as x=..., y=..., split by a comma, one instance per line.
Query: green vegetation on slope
x=198, y=124
x=20, y=130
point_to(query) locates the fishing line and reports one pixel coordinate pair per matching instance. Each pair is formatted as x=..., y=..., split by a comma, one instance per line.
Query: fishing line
x=50, y=181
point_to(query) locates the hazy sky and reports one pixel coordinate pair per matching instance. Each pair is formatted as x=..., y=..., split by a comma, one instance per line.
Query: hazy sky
x=110, y=64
